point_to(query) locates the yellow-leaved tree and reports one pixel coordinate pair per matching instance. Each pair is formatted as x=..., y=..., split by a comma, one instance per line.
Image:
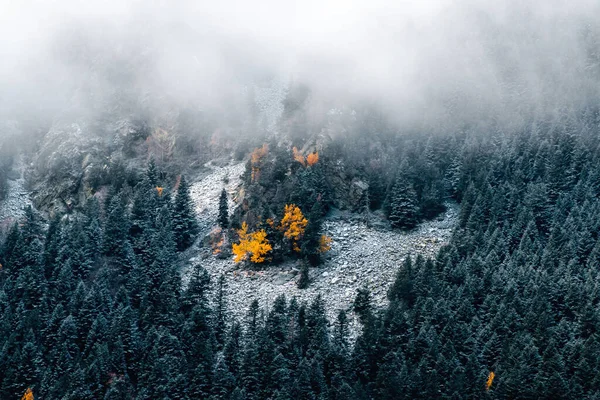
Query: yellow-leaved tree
x=252, y=246
x=28, y=395
x=293, y=224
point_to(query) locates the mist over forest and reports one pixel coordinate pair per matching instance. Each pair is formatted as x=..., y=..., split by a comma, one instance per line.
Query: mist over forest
x=316, y=200
x=435, y=65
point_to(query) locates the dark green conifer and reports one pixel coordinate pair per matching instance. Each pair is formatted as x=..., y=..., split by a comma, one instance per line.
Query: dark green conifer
x=185, y=226
x=220, y=312
x=311, y=240
x=152, y=173
x=223, y=210
x=116, y=229
x=403, y=206
x=304, y=279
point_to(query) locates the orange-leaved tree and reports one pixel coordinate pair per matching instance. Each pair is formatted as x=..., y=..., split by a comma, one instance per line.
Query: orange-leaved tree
x=324, y=244
x=490, y=380
x=312, y=158
x=298, y=156
x=293, y=224
x=309, y=160
x=252, y=246
x=28, y=395
x=217, y=240
x=255, y=160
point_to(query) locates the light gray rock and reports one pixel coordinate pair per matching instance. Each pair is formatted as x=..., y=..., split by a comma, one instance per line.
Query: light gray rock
x=17, y=196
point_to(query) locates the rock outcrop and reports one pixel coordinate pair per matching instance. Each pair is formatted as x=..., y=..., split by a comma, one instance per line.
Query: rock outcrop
x=17, y=197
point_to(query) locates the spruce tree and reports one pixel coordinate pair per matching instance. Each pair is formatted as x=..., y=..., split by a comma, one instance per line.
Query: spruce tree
x=232, y=352
x=152, y=173
x=51, y=245
x=11, y=248
x=311, y=241
x=223, y=210
x=93, y=231
x=402, y=288
x=185, y=226
x=220, y=311
x=304, y=279
x=403, y=207
x=116, y=228
x=143, y=212
x=223, y=381
x=362, y=304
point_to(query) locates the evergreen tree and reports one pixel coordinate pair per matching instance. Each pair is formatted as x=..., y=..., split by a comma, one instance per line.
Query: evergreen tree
x=362, y=304
x=223, y=210
x=403, y=207
x=220, y=312
x=304, y=279
x=152, y=173
x=402, y=288
x=311, y=245
x=233, y=349
x=223, y=382
x=116, y=230
x=185, y=226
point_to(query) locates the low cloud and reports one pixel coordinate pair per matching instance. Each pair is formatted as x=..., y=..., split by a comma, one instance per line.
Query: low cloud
x=426, y=64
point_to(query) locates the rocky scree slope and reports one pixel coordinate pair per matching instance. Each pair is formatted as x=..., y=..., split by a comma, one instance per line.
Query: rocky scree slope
x=362, y=255
x=17, y=196
x=206, y=191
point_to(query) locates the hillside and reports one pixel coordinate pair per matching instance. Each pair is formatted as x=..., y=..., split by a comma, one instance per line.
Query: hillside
x=270, y=200
x=361, y=256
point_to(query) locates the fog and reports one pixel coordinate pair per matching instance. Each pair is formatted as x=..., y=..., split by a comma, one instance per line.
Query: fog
x=423, y=63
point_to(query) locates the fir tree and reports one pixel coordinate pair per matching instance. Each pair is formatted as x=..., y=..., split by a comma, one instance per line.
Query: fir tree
x=220, y=317
x=304, y=279
x=403, y=207
x=362, y=304
x=223, y=210
x=223, y=381
x=402, y=288
x=185, y=226
x=116, y=230
x=152, y=173
x=311, y=241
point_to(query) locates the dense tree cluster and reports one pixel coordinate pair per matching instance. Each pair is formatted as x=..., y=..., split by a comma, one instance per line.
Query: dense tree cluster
x=69, y=291
x=92, y=305
x=404, y=177
x=293, y=235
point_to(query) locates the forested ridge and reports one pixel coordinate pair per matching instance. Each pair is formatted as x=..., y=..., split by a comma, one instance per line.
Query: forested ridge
x=93, y=306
